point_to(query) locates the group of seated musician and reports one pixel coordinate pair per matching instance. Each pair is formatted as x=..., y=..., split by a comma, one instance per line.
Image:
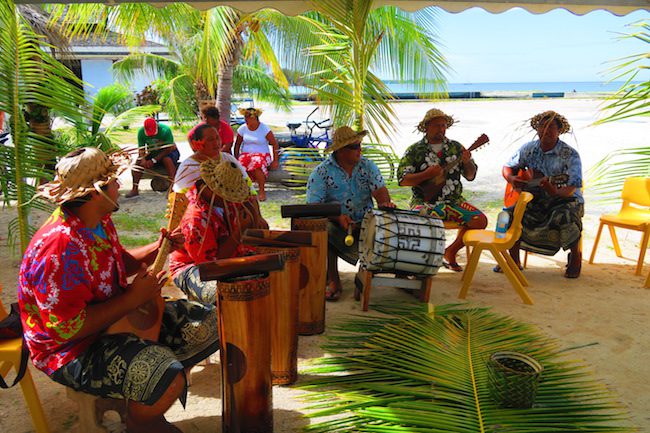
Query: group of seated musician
x=433, y=167
x=73, y=279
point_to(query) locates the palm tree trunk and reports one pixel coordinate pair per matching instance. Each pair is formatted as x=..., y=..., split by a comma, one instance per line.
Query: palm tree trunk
x=224, y=86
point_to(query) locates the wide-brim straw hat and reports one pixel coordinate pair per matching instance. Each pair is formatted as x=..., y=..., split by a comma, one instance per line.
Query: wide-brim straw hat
x=225, y=179
x=344, y=136
x=537, y=119
x=432, y=114
x=257, y=112
x=83, y=171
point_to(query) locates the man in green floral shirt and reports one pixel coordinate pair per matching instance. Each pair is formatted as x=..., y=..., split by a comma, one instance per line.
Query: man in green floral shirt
x=433, y=167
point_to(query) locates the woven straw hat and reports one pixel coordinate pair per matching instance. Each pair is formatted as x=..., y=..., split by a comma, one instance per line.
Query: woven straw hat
x=225, y=179
x=432, y=114
x=344, y=136
x=257, y=112
x=538, y=119
x=83, y=171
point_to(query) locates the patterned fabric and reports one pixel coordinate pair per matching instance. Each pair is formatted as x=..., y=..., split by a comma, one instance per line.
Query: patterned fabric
x=420, y=156
x=125, y=366
x=461, y=213
x=330, y=183
x=204, y=228
x=253, y=161
x=562, y=159
x=190, y=283
x=65, y=268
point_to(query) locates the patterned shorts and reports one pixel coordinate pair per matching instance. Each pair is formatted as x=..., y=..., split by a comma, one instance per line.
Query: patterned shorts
x=461, y=213
x=125, y=366
x=253, y=161
x=189, y=281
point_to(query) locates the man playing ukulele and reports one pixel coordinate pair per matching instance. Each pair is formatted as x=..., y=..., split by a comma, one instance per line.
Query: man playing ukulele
x=553, y=220
x=433, y=167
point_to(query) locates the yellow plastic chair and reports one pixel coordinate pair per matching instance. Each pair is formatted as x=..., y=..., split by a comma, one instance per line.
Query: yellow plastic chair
x=481, y=240
x=636, y=191
x=10, y=353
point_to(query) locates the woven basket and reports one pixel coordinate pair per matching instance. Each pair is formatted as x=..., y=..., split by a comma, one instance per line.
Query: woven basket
x=513, y=379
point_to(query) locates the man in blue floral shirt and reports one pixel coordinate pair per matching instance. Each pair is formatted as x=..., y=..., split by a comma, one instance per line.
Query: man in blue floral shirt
x=433, y=167
x=553, y=220
x=352, y=180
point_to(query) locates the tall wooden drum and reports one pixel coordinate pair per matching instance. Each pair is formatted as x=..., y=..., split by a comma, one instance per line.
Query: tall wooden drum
x=244, y=308
x=285, y=287
x=313, y=263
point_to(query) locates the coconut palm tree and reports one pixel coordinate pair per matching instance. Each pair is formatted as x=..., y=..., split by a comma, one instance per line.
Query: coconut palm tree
x=631, y=100
x=358, y=47
x=31, y=78
x=428, y=370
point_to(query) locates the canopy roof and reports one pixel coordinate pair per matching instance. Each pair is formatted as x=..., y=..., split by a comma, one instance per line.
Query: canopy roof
x=294, y=7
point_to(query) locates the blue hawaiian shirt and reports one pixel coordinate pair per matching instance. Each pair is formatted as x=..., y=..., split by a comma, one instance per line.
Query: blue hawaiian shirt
x=562, y=159
x=330, y=183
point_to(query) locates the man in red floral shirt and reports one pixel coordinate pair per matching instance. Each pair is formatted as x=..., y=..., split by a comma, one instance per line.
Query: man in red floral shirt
x=73, y=286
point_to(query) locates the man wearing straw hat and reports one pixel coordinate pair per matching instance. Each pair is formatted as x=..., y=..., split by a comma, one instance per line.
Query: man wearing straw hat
x=437, y=156
x=352, y=180
x=73, y=286
x=212, y=226
x=155, y=147
x=553, y=220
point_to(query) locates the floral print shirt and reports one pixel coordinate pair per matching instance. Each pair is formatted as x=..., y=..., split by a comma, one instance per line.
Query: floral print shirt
x=419, y=156
x=203, y=227
x=562, y=159
x=330, y=183
x=66, y=268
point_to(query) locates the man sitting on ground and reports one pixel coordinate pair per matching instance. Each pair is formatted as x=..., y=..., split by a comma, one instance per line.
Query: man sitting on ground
x=156, y=147
x=352, y=180
x=73, y=286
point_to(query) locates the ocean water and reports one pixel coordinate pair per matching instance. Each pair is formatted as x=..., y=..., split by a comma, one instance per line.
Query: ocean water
x=567, y=87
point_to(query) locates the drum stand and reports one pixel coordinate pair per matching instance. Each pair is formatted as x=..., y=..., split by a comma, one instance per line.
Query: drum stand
x=367, y=279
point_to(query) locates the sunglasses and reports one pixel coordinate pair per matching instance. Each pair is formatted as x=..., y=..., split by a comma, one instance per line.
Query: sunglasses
x=355, y=146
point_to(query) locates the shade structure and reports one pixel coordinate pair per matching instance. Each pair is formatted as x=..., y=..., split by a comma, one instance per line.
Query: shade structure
x=295, y=7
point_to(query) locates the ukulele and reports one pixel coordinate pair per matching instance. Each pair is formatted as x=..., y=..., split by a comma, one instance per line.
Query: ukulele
x=145, y=320
x=534, y=178
x=431, y=188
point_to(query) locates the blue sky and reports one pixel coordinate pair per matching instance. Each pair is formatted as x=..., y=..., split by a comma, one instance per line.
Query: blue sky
x=517, y=46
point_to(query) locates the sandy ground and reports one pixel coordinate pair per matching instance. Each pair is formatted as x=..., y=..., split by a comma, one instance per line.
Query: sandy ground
x=606, y=308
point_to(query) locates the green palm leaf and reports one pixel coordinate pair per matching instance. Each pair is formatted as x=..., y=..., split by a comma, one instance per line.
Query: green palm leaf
x=30, y=75
x=417, y=371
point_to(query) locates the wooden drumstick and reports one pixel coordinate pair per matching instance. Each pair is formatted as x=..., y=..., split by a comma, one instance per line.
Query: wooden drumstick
x=349, y=239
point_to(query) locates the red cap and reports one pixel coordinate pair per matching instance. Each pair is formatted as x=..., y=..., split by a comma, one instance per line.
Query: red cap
x=150, y=126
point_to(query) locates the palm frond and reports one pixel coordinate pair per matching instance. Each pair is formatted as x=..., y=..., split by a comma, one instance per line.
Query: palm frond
x=251, y=78
x=417, y=370
x=164, y=67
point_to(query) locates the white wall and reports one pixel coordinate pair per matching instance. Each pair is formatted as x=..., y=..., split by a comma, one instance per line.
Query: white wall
x=96, y=74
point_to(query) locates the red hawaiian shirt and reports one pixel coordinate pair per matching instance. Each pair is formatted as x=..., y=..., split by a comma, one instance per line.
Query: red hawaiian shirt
x=66, y=268
x=203, y=226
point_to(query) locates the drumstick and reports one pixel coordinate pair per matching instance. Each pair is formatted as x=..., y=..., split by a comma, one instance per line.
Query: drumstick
x=349, y=239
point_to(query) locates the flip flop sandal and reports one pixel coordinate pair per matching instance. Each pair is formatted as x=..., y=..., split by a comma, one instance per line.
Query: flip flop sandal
x=573, y=271
x=453, y=266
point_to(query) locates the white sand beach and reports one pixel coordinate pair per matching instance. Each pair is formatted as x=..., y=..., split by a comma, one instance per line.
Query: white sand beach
x=606, y=310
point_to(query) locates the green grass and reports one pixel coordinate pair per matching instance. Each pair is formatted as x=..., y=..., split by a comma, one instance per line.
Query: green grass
x=126, y=222
x=132, y=241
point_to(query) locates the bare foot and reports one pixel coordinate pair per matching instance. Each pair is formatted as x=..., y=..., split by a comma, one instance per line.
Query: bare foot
x=134, y=192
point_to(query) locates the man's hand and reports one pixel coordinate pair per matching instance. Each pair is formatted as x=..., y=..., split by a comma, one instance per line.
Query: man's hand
x=433, y=171
x=344, y=221
x=275, y=164
x=175, y=237
x=517, y=181
x=387, y=204
x=147, y=163
x=466, y=156
x=144, y=287
x=549, y=187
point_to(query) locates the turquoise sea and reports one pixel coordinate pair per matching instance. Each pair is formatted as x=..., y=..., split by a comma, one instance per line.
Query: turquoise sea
x=477, y=90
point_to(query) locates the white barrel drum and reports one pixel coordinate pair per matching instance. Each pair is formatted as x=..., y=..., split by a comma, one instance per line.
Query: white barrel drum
x=402, y=241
